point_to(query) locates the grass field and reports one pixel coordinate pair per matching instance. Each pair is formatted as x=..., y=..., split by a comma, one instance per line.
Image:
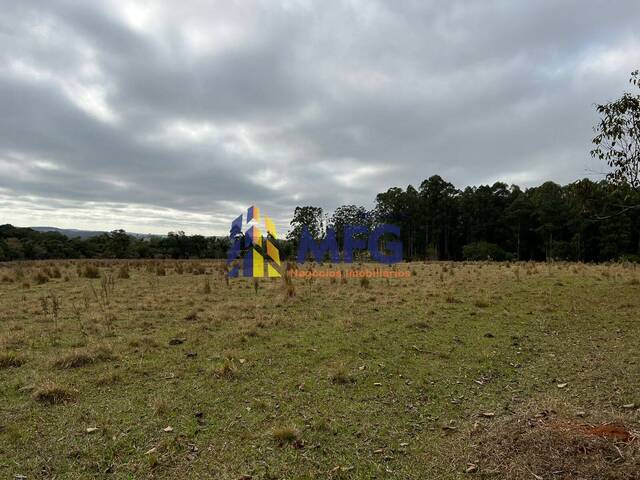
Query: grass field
x=477, y=370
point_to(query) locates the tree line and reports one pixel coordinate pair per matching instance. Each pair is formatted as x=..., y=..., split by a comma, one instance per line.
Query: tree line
x=27, y=244
x=583, y=221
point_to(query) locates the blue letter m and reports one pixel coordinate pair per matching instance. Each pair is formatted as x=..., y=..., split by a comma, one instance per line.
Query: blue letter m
x=308, y=244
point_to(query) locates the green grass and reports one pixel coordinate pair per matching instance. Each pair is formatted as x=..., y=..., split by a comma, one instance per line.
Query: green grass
x=335, y=381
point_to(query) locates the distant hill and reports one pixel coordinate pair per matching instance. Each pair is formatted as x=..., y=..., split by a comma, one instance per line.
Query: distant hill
x=84, y=234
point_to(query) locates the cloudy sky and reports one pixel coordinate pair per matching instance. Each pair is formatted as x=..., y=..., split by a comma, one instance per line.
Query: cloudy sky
x=162, y=115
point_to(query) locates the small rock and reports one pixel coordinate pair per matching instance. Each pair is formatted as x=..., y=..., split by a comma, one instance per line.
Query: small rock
x=91, y=429
x=471, y=467
x=168, y=429
x=562, y=385
x=629, y=406
x=581, y=414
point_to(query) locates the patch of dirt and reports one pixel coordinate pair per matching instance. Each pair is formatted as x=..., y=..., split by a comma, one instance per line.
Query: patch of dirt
x=553, y=445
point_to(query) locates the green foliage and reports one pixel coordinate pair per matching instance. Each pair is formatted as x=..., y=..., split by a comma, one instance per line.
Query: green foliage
x=27, y=244
x=616, y=141
x=310, y=217
x=349, y=215
x=483, y=251
x=580, y=221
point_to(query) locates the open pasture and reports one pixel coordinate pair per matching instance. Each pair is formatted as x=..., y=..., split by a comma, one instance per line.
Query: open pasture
x=164, y=369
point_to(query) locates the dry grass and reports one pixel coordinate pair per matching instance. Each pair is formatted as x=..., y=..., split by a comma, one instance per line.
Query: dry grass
x=51, y=393
x=160, y=406
x=40, y=278
x=340, y=375
x=191, y=316
x=123, y=272
x=81, y=357
x=206, y=287
x=90, y=271
x=227, y=369
x=10, y=360
x=369, y=377
x=286, y=434
x=482, y=303
x=554, y=443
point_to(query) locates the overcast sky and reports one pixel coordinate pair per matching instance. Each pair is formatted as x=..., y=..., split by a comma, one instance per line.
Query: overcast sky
x=177, y=115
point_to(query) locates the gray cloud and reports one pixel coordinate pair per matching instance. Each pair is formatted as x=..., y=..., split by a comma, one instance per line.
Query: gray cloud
x=164, y=116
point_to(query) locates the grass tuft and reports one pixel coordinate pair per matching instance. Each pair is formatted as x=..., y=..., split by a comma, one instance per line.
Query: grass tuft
x=51, y=393
x=286, y=434
x=10, y=360
x=340, y=376
x=84, y=356
x=480, y=303
x=227, y=369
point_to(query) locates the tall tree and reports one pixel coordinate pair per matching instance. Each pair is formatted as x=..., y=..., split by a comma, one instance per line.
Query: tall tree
x=552, y=212
x=518, y=216
x=439, y=209
x=120, y=243
x=349, y=215
x=310, y=217
x=617, y=139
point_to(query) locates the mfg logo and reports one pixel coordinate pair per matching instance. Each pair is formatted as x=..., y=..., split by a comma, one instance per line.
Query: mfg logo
x=258, y=251
x=356, y=237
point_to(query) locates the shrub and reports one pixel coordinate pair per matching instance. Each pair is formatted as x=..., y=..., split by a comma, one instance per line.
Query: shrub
x=123, y=272
x=91, y=271
x=484, y=251
x=199, y=270
x=40, y=278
